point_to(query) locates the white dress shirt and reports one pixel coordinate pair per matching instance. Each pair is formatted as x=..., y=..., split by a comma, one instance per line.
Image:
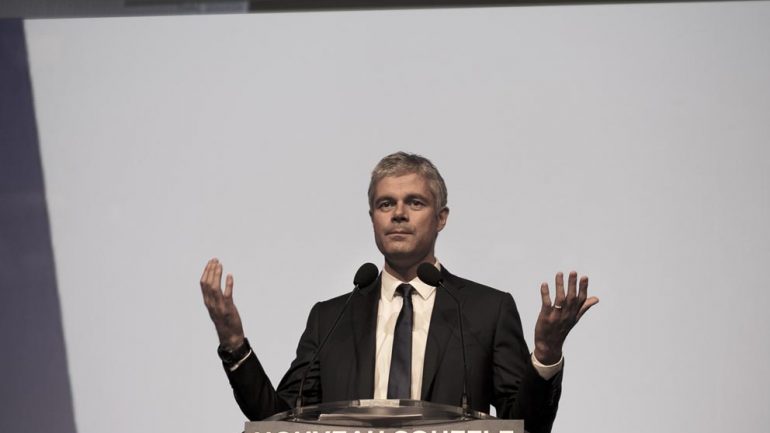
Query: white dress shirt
x=388, y=309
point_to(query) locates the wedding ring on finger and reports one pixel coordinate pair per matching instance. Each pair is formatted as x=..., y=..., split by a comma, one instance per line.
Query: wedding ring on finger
x=558, y=307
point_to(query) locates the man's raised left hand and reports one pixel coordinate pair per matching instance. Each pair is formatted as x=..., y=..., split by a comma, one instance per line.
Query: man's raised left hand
x=558, y=318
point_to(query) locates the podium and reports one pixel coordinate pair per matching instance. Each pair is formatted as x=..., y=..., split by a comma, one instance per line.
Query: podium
x=383, y=416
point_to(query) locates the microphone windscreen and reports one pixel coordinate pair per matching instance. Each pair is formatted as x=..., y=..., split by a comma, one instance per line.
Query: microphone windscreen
x=366, y=275
x=429, y=274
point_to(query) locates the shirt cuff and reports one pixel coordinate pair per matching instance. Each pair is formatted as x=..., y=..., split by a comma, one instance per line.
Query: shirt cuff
x=547, y=371
x=238, y=364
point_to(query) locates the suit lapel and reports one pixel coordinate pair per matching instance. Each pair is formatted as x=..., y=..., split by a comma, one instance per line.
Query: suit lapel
x=364, y=323
x=443, y=323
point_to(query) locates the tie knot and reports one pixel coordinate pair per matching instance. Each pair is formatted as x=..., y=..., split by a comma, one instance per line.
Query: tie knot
x=405, y=290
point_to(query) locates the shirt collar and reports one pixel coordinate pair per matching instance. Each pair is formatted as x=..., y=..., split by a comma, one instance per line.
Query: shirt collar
x=390, y=283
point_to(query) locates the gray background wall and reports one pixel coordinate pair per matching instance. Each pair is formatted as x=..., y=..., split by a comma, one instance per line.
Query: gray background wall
x=627, y=142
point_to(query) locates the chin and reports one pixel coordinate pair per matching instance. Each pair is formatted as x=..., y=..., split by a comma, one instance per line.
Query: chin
x=402, y=257
x=397, y=253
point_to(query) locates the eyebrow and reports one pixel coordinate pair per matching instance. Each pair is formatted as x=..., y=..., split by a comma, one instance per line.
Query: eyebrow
x=418, y=196
x=407, y=198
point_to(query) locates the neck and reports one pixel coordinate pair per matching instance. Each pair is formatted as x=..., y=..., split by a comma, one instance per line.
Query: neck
x=407, y=271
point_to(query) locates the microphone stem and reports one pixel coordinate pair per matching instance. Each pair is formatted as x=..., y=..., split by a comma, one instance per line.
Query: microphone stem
x=298, y=403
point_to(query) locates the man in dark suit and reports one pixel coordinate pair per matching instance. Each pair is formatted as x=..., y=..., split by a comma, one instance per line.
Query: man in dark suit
x=371, y=356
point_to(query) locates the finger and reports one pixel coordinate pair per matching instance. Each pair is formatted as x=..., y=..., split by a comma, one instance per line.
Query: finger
x=229, y=286
x=211, y=270
x=570, y=302
x=545, y=295
x=559, y=290
x=583, y=293
x=205, y=270
x=217, y=283
x=206, y=277
x=590, y=302
x=572, y=288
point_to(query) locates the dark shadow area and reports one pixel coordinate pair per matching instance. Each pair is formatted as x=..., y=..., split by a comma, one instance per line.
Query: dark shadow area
x=35, y=394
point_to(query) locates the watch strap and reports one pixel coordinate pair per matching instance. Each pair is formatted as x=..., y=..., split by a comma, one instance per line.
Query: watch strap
x=230, y=358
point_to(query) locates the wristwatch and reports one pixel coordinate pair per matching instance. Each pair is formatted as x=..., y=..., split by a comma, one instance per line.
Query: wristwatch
x=232, y=357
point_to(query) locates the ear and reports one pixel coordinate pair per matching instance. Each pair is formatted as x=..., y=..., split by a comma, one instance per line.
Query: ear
x=442, y=216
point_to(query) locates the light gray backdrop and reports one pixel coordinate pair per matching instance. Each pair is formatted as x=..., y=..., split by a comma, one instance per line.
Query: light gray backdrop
x=626, y=142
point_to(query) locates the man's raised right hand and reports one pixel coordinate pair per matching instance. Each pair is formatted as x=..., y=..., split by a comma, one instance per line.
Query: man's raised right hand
x=220, y=304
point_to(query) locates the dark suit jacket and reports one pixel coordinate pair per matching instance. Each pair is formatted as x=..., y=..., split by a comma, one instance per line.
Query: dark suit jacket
x=500, y=367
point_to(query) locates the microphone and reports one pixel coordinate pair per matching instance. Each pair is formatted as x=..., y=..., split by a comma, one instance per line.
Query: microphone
x=365, y=276
x=432, y=276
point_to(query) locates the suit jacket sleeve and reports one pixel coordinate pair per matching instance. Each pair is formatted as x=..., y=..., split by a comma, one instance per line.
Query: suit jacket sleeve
x=254, y=392
x=518, y=390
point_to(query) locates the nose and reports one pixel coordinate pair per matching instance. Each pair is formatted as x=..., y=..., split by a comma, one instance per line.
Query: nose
x=400, y=213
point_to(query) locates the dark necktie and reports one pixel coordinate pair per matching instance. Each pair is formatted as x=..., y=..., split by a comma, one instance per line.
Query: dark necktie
x=400, y=379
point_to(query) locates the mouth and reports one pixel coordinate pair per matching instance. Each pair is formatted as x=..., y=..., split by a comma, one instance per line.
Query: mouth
x=398, y=233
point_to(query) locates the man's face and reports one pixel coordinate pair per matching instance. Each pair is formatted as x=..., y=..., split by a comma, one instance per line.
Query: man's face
x=405, y=219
